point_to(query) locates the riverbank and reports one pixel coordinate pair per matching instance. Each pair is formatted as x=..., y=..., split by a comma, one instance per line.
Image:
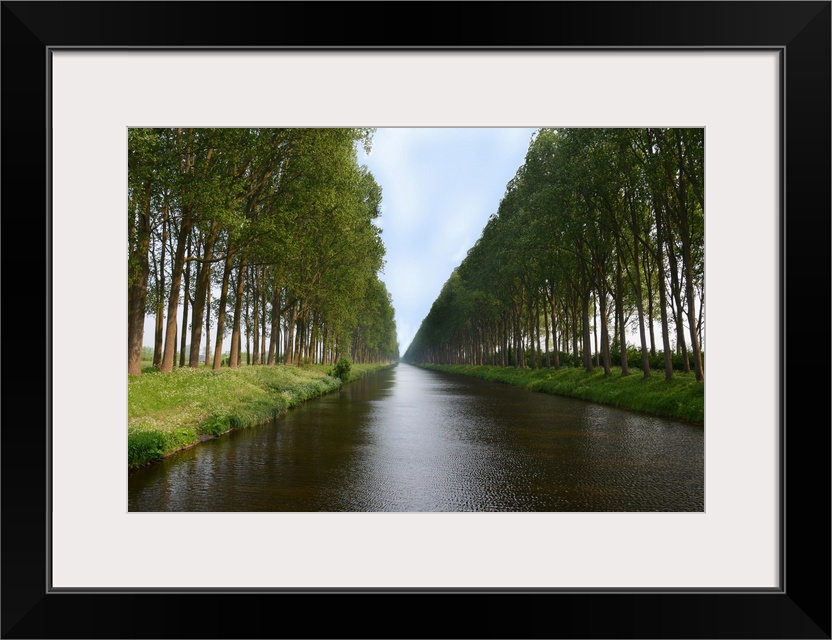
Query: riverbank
x=174, y=411
x=682, y=397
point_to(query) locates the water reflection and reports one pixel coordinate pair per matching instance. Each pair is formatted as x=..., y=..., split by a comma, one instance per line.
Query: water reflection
x=412, y=440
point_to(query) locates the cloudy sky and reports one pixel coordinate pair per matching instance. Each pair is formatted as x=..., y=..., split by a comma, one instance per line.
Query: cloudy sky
x=439, y=187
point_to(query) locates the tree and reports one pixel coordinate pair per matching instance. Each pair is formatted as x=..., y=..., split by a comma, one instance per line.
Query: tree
x=593, y=219
x=280, y=221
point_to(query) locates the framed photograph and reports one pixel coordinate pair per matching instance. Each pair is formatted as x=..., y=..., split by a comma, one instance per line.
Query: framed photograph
x=755, y=75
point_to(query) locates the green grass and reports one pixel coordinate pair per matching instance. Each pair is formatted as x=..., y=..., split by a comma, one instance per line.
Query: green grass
x=169, y=412
x=682, y=397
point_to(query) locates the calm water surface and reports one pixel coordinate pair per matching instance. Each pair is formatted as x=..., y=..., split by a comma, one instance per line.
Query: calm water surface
x=407, y=439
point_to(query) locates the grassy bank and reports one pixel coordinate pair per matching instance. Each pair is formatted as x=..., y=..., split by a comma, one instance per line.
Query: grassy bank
x=169, y=412
x=683, y=397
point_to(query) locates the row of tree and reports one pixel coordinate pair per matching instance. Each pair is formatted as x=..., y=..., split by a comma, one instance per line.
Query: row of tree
x=601, y=231
x=267, y=232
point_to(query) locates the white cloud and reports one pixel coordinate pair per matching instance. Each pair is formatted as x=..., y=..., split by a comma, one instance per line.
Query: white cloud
x=439, y=187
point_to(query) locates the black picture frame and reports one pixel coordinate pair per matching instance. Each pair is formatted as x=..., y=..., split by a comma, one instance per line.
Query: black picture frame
x=800, y=608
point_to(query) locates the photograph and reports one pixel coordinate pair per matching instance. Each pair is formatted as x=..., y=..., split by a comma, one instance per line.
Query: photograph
x=415, y=320
x=372, y=293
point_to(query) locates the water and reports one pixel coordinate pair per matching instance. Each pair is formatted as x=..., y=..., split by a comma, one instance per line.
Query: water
x=410, y=440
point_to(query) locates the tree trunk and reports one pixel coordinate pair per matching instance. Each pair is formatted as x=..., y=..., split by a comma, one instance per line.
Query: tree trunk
x=668, y=356
x=518, y=332
x=645, y=353
x=234, y=358
x=605, y=336
x=555, y=346
x=575, y=317
x=221, y=312
x=687, y=260
x=185, y=300
x=546, y=325
x=173, y=297
x=690, y=294
x=248, y=329
x=648, y=285
x=595, y=328
x=255, y=317
x=274, y=338
x=645, y=356
x=533, y=337
x=677, y=295
x=160, y=332
x=160, y=299
x=169, y=355
x=203, y=286
x=619, y=311
x=264, y=317
x=587, y=338
x=137, y=288
x=208, y=329
x=289, y=349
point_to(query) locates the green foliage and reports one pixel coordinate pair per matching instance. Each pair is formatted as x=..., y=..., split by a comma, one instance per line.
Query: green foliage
x=144, y=447
x=341, y=369
x=656, y=362
x=151, y=445
x=215, y=425
x=566, y=359
x=295, y=202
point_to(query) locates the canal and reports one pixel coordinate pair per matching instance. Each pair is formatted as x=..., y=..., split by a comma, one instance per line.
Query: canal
x=410, y=440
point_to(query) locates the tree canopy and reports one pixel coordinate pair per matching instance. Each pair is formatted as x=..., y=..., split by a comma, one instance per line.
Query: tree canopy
x=264, y=233
x=601, y=231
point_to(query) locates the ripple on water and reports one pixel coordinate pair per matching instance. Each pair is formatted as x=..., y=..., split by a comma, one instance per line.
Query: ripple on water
x=419, y=441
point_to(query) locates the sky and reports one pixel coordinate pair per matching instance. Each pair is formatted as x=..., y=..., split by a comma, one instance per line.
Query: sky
x=439, y=187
